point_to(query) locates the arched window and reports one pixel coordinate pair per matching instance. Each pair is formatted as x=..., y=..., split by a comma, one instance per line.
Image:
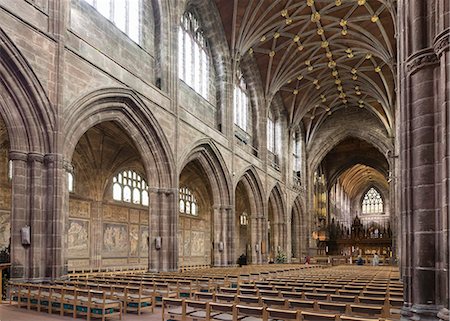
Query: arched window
x=188, y=202
x=193, y=56
x=70, y=182
x=130, y=187
x=273, y=133
x=10, y=169
x=243, y=219
x=241, y=103
x=372, y=202
x=123, y=13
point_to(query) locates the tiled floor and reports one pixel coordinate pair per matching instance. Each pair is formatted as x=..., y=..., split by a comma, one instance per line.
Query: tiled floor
x=12, y=313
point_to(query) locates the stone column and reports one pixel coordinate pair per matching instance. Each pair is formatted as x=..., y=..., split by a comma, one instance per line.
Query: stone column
x=421, y=163
x=96, y=239
x=222, y=235
x=19, y=216
x=37, y=217
x=56, y=212
x=163, y=226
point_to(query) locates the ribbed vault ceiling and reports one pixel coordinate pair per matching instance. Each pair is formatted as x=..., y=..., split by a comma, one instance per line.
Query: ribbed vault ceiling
x=318, y=55
x=359, y=177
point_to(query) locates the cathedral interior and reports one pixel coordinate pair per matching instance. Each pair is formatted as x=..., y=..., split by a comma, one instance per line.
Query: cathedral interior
x=189, y=138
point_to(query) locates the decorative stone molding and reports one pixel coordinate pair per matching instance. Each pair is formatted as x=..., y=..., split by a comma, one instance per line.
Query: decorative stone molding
x=50, y=159
x=421, y=59
x=35, y=157
x=17, y=155
x=68, y=166
x=441, y=43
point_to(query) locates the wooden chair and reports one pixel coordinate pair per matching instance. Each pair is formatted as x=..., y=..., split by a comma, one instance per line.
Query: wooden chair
x=343, y=298
x=249, y=313
x=248, y=300
x=284, y=315
x=199, y=310
x=223, y=311
x=99, y=305
x=340, y=308
x=204, y=296
x=316, y=296
x=372, y=300
x=303, y=305
x=136, y=300
x=292, y=295
x=173, y=309
x=225, y=298
x=350, y=318
x=276, y=303
x=249, y=292
x=314, y=316
x=372, y=311
x=269, y=293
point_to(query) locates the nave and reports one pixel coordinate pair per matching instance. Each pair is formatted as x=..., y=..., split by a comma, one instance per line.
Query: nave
x=274, y=292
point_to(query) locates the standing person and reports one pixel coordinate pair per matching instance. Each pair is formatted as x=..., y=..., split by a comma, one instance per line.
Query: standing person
x=376, y=259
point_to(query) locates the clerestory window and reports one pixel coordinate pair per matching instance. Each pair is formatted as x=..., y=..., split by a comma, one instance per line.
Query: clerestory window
x=124, y=14
x=193, y=55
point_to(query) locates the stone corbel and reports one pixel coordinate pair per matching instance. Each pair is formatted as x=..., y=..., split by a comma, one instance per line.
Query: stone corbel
x=68, y=166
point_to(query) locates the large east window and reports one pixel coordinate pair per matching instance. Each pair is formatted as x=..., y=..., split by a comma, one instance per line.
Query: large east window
x=123, y=13
x=372, y=202
x=241, y=104
x=130, y=187
x=193, y=57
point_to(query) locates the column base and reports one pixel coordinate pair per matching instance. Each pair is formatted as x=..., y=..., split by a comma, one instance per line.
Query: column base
x=421, y=312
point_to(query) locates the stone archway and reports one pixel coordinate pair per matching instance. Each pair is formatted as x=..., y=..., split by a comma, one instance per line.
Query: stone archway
x=126, y=109
x=204, y=171
x=249, y=196
x=277, y=228
x=28, y=119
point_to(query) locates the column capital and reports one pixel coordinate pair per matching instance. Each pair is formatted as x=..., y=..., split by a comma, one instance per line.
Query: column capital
x=18, y=155
x=420, y=59
x=35, y=157
x=441, y=43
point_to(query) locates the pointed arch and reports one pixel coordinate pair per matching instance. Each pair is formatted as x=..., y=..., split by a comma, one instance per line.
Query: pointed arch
x=253, y=184
x=208, y=155
x=299, y=230
x=318, y=152
x=124, y=107
x=276, y=196
x=24, y=105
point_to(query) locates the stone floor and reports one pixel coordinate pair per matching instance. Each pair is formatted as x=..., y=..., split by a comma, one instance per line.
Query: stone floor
x=12, y=313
